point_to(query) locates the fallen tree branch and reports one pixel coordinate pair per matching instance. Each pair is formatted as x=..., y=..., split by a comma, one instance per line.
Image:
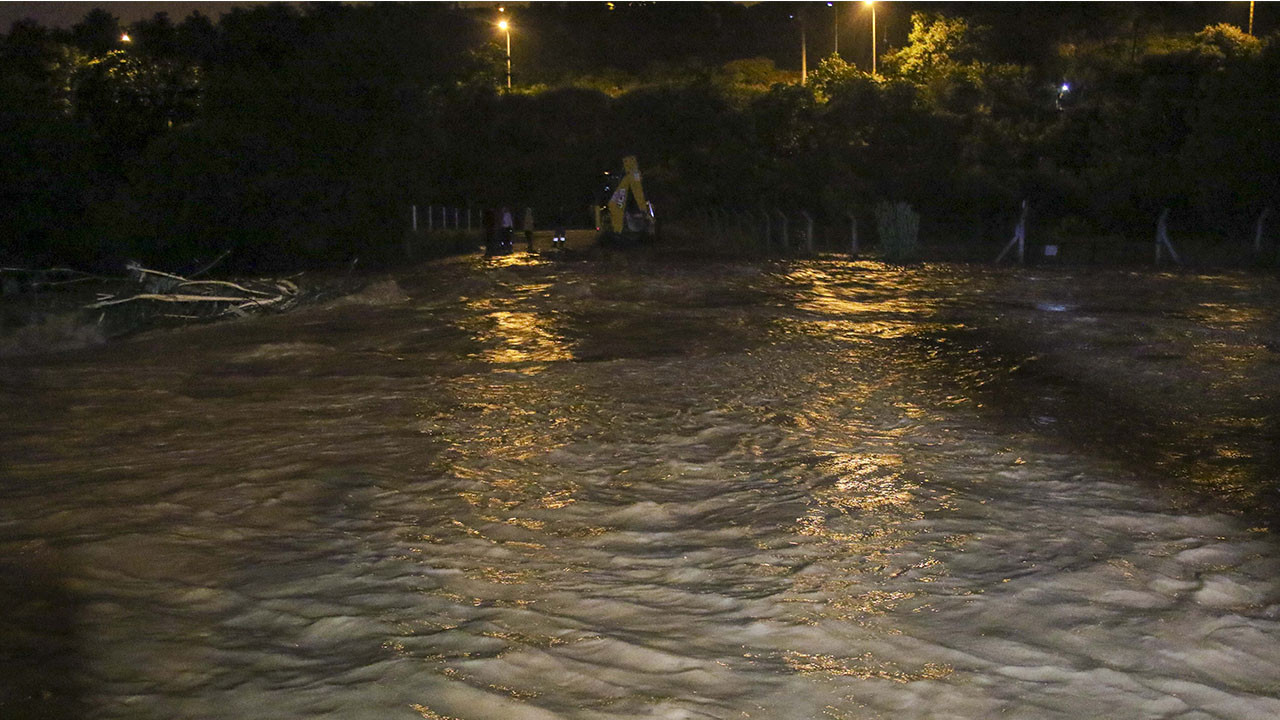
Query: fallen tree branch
x=165, y=297
x=223, y=283
x=209, y=298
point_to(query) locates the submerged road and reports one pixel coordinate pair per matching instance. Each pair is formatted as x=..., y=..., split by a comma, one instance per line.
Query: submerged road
x=623, y=488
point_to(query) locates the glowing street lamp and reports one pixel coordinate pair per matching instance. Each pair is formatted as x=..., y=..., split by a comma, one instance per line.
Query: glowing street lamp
x=873, y=35
x=125, y=38
x=505, y=27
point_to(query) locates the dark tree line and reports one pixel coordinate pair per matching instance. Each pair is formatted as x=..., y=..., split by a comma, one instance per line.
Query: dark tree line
x=301, y=136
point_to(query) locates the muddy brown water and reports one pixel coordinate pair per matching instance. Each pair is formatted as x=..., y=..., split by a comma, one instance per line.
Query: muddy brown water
x=629, y=488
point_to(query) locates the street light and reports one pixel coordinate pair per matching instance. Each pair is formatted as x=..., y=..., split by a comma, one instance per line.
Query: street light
x=804, y=60
x=125, y=38
x=836, y=12
x=505, y=27
x=873, y=35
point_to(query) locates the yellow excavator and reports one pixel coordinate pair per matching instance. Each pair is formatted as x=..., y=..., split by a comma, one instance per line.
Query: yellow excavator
x=630, y=214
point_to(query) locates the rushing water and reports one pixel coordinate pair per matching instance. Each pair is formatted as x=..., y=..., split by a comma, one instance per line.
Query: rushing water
x=629, y=489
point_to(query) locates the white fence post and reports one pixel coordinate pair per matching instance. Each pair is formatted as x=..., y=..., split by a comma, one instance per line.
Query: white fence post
x=1019, y=237
x=1162, y=238
x=853, y=233
x=1257, y=230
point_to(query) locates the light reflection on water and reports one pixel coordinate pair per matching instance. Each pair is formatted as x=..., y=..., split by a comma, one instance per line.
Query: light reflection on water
x=612, y=489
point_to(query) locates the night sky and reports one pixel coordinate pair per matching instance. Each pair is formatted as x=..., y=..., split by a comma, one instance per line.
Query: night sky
x=66, y=14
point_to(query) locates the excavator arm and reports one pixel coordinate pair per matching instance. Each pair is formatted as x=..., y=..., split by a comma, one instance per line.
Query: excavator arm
x=640, y=220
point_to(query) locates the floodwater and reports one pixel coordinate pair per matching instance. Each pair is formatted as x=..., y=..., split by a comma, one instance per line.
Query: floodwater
x=629, y=488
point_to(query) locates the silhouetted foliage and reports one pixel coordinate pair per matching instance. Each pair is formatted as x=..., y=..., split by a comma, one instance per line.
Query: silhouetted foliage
x=301, y=134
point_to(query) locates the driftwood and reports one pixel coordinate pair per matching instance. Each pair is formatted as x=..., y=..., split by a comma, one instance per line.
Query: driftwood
x=195, y=299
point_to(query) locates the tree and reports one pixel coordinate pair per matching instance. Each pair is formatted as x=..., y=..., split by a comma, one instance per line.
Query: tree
x=125, y=100
x=98, y=33
x=936, y=46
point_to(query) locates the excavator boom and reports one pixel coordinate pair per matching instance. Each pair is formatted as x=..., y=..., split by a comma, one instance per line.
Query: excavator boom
x=626, y=218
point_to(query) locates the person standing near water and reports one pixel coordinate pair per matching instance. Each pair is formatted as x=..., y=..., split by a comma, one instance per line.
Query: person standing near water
x=488, y=222
x=508, y=227
x=558, y=240
x=528, y=227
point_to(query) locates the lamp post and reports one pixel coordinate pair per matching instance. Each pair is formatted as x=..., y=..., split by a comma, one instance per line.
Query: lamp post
x=873, y=35
x=804, y=60
x=505, y=27
x=836, y=13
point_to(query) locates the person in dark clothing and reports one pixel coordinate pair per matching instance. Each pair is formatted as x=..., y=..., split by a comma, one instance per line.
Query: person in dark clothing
x=489, y=222
x=557, y=241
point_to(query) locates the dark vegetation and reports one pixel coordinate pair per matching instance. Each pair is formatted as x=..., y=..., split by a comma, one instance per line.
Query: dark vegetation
x=300, y=136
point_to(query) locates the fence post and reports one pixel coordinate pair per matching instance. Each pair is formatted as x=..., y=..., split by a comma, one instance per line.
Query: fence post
x=1257, y=230
x=1162, y=238
x=409, y=238
x=430, y=218
x=768, y=229
x=853, y=233
x=1019, y=237
x=808, y=231
x=785, y=231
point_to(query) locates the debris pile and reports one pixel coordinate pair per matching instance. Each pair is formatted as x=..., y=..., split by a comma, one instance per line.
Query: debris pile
x=173, y=296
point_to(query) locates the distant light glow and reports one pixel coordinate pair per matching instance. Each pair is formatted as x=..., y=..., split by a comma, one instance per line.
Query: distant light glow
x=125, y=38
x=503, y=25
x=1066, y=87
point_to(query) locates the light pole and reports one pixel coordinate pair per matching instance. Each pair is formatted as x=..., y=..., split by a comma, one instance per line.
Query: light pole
x=804, y=61
x=873, y=35
x=836, y=12
x=505, y=27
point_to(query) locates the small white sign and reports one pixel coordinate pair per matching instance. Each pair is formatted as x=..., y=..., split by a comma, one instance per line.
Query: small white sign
x=1050, y=250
